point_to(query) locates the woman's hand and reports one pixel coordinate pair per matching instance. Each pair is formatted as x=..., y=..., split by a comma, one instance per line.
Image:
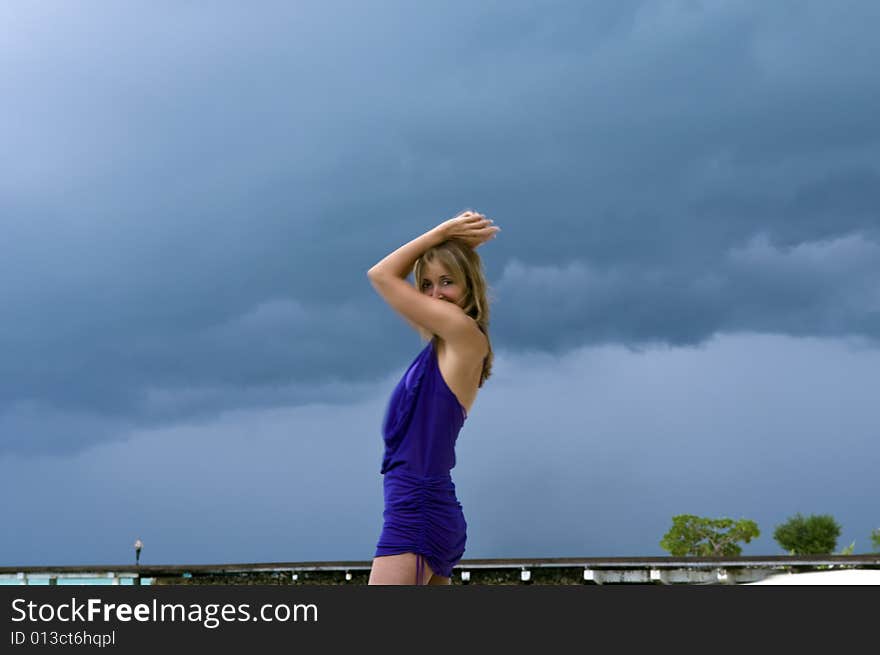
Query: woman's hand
x=472, y=228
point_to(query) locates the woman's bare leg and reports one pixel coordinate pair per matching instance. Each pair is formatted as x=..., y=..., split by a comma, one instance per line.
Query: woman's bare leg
x=398, y=569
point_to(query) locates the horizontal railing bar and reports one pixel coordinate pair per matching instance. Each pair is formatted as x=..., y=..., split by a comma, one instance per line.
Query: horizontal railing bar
x=554, y=562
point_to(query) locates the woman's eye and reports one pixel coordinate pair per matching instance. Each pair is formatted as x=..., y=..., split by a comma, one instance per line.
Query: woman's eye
x=425, y=285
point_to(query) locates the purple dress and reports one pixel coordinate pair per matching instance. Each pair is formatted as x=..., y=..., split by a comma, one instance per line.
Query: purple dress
x=422, y=514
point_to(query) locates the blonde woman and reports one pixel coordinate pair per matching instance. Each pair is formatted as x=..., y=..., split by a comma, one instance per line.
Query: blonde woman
x=424, y=532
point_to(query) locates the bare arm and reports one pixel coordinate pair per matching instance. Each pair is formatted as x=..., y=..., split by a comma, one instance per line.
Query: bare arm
x=400, y=262
x=388, y=277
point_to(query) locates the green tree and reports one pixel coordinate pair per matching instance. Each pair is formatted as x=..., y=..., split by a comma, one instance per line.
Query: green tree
x=705, y=537
x=811, y=535
x=875, y=539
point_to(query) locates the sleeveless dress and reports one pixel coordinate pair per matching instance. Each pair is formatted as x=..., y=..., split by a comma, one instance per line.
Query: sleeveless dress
x=421, y=425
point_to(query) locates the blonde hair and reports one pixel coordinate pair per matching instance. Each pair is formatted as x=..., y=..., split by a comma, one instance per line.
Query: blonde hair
x=466, y=269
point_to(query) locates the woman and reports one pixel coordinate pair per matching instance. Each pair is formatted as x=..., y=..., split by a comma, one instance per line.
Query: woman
x=424, y=532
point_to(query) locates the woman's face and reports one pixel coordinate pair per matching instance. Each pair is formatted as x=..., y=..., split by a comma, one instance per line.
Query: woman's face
x=438, y=283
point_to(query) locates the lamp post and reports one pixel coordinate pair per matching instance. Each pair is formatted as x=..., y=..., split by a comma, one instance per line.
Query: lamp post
x=137, y=551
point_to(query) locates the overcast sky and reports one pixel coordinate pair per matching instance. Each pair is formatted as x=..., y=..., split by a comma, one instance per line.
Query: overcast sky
x=686, y=290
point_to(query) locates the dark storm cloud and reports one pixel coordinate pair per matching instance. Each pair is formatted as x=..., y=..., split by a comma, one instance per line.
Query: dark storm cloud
x=189, y=202
x=821, y=288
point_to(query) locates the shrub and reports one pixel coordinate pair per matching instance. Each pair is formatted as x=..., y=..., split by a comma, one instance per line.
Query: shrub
x=811, y=535
x=705, y=537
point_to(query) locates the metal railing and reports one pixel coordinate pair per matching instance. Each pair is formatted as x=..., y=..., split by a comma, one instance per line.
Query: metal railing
x=555, y=570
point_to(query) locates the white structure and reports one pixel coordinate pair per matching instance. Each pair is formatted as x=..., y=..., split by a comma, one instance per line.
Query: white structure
x=842, y=577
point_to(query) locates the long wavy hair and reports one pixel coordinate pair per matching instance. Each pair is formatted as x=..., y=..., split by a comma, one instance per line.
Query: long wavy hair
x=466, y=269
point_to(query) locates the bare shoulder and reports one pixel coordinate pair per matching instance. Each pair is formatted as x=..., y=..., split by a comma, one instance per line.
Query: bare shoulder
x=471, y=341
